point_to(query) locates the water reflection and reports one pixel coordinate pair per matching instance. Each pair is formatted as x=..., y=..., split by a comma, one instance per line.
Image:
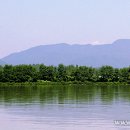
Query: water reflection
x=64, y=107
x=64, y=94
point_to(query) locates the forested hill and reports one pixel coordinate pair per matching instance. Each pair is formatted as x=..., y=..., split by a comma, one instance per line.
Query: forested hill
x=116, y=54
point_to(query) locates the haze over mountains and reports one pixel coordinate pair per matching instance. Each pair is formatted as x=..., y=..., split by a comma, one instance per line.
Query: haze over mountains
x=2, y=62
x=116, y=54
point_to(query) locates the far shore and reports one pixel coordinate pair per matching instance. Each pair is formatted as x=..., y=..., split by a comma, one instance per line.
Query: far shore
x=45, y=83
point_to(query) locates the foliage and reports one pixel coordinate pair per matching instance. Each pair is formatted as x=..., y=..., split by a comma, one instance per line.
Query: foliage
x=62, y=73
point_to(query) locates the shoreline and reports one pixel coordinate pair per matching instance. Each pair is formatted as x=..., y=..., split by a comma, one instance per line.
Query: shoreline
x=45, y=83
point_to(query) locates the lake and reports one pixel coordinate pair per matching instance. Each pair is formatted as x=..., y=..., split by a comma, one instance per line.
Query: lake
x=65, y=107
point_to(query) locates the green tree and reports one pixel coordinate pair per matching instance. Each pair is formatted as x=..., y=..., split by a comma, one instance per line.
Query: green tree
x=8, y=73
x=106, y=73
x=24, y=73
x=116, y=75
x=47, y=72
x=1, y=73
x=69, y=70
x=62, y=73
x=124, y=74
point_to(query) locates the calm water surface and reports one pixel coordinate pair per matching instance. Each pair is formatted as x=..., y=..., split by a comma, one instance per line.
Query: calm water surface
x=64, y=107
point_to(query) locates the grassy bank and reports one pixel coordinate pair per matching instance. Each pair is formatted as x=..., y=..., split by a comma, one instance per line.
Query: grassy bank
x=45, y=83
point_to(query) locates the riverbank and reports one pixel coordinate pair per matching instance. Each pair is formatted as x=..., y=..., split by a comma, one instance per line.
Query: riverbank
x=45, y=83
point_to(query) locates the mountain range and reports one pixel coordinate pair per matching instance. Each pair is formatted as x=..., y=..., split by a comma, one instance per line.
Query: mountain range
x=2, y=62
x=116, y=54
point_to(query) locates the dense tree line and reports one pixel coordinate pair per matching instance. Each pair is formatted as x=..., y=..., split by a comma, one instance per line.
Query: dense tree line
x=34, y=73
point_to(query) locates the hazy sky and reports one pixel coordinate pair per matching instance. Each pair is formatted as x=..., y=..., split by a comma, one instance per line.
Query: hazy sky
x=27, y=23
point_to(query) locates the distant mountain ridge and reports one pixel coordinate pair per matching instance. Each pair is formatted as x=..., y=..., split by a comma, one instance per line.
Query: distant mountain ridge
x=116, y=54
x=2, y=62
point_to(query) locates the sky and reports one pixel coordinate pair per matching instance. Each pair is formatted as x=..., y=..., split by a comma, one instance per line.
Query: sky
x=29, y=23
